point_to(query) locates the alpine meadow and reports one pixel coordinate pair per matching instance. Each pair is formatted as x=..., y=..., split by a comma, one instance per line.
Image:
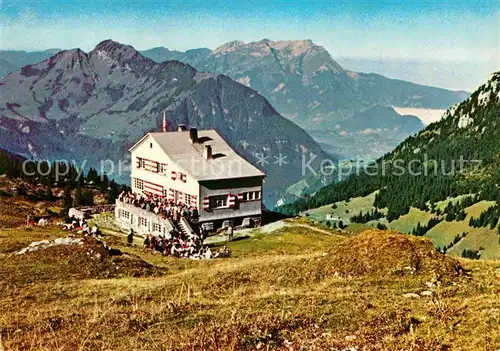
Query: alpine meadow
x=302, y=175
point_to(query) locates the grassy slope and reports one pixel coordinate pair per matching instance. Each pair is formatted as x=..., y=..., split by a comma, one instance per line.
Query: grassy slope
x=353, y=207
x=442, y=204
x=296, y=189
x=14, y=209
x=441, y=235
x=255, y=299
x=406, y=223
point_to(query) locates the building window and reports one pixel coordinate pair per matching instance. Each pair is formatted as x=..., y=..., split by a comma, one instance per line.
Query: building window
x=251, y=195
x=218, y=201
x=157, y=227
x=125, y=214
x=165, y=192
x=150, y=145
x=163, y=168
x=139, y=184
x=143, y=222
x=141, y=163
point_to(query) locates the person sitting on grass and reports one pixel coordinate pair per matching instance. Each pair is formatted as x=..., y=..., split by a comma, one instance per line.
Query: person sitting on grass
x=95, y=231
x=85, y=228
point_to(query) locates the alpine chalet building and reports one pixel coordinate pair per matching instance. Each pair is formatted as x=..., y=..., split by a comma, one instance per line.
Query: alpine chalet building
x=195, y=168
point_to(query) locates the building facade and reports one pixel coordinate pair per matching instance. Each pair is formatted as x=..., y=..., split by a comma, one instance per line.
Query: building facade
x=198, y=169
x=128, y=217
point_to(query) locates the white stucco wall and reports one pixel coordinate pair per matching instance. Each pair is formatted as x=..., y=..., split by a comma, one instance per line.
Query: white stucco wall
x=149, y=149
x=133, y=220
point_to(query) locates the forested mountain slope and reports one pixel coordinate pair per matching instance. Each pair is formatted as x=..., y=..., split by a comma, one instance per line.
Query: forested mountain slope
x=458, y=155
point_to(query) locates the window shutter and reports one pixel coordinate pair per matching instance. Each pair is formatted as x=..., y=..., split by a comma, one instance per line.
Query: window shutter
x=231, y=200
x=206, y=203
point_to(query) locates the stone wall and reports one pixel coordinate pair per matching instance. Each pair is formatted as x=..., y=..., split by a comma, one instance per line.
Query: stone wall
x=106, y=220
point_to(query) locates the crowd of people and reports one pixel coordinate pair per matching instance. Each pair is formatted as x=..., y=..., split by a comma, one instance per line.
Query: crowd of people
x=182, y=245
x=176, y=243
x=74, y=224
x=159, y=205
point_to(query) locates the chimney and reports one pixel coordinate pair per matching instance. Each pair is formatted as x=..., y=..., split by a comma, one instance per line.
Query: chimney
x=164, y=125
x=207, y=154
x=181, y=128
x=193, y=135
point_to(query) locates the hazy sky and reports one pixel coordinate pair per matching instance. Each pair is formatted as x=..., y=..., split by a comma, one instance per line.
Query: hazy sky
x=444, y=31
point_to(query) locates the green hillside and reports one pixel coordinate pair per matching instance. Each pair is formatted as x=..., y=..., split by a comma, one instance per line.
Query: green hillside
x=484, y=239
x=431, y=175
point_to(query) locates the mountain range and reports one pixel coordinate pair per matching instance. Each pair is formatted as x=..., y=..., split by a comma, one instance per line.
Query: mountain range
x=12, y=60
x=458, y=155
x=306, y=85
x=302, y=80
x=93, y=106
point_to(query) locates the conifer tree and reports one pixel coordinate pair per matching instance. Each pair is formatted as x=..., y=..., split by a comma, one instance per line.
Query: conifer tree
x=88, y=197
x=79, y=200
x=67, y=202
x=48, y=193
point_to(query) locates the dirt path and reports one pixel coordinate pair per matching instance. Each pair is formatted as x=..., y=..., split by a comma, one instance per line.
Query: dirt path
x=319, y=230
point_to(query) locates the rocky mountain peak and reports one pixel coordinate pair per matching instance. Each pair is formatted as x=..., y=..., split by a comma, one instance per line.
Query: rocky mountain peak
x=297, y=47
x=64, y=60
x=73, y=54
x=228, y=47
x=487, y=94
x=115, y=50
